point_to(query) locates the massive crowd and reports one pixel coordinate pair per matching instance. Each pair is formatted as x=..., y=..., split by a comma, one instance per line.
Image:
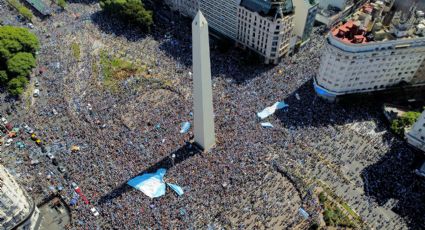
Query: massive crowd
x=123, y=134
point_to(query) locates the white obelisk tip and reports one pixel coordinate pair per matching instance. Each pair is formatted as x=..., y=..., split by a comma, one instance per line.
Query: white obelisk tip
x=200, y=20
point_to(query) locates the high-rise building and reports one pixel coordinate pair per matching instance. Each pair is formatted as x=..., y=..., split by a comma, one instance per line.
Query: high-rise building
x=416, y=136
x=305, y=15
x=376, y=49
x=17, y=209
x=264, y=26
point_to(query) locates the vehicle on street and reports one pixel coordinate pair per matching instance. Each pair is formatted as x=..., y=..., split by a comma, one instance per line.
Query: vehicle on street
x=36, y=83
x=74, y=185
x=8, y=142
x=62, y=169
x=36, y=93
x=50, y=156
x=28, y=129
x=94, y=211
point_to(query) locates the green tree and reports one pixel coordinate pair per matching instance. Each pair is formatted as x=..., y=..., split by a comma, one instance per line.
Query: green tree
x=3, y=77
x=4, y=55
x=21, y=64
x=322, y=197
x=132, y=11
x=17, y=85
x=61, y=3
x=12, y=46
x=26, y=39
x=405, y=121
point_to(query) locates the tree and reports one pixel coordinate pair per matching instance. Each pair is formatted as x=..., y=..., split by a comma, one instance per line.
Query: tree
x=17, y=85
x=61, y=4
x=3, y=77
x=26, y=39
x=17, y=57
x=12, y=46
x=20, y=64
x=405, y=121
x=4, y=55
x=132, y=11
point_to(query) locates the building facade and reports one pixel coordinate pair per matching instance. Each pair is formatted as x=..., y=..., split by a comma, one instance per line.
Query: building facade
x=365, y=55
x=17, y=209
x=305, y=15
x=264, y=26
x=416, y=136
x=265, y=30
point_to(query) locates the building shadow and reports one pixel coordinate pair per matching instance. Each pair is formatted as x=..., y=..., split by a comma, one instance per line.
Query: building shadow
x=176, y=157
x=392, y=183
x=313, y=111
x=113, y=25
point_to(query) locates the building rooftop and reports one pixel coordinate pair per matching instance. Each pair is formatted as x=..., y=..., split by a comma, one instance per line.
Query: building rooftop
x=40, y=6
x=378, y=21
x=269, y=7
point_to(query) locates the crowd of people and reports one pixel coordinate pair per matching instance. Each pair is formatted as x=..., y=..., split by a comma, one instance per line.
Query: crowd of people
x=136, y=130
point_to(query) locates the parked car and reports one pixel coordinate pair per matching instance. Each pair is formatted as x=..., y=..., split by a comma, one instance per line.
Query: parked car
x=94, y=211
x=28, y=129
x=50, y=156
x=74, y=185
x=8, y=142
x=62, y=169
x=36, y=83
x=36, y=93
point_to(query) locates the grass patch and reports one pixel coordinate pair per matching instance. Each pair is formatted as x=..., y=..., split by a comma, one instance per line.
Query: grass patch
x=351, y=211
x=119, y=74
x=94, y=68
x=76, y=51
x=21, y=9
x=333, y=216
x=115, y=70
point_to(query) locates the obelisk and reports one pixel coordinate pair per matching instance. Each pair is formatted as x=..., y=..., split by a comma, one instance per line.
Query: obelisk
x=202, y=89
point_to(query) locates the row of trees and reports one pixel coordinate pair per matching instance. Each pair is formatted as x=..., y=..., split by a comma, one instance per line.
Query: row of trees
x=17, y=57
x=131, y=11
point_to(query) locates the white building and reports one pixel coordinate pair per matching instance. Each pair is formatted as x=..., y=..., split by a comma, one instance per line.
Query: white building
x=365, y=55
x=416, y=136
x=305, y=15
x=264, y=26
x=266, y=29
x=17, y=209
